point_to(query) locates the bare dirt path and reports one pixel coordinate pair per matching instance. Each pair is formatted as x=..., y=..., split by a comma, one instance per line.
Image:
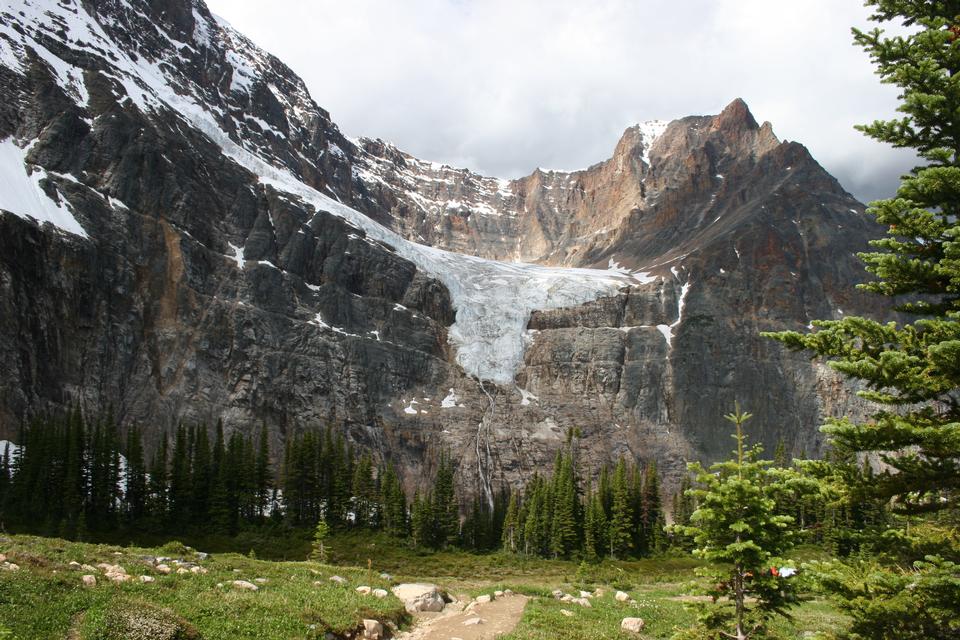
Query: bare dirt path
x=497, y=618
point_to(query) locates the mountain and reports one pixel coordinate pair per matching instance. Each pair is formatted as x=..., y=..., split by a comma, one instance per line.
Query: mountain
x=187, y=235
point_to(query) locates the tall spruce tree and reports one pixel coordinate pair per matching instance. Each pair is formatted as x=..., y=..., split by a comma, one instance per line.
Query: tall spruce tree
x=911, y=368
x=620, y=524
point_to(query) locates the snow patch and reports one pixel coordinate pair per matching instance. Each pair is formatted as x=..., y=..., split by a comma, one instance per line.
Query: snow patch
x=450, y=401
x=237, y=255
x=526, y=397
x=22, y=195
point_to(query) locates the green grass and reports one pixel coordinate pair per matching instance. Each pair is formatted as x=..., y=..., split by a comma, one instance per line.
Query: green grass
x=45, y=598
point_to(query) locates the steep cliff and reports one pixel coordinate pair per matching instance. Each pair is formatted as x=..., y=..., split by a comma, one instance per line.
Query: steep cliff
x=189, y=236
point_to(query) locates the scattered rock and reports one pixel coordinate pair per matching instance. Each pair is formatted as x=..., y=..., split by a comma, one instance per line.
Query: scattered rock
x=419, y=597
x=380, y=593
x=3, y=557
x=621, y=596
x=557, y=593
x=363, y=590
x=507, y=592
x=566, y=598
x=386, y=576
x=473, y=621
x=183, y=570
x=11, y=566
x=585, y=594
x=87, y=567
x=485, y=598
x=338, y=579
x=164, y=569
x=498, y=594
x=566, y=612
x=202, y=556
x=243, y=584
x=260, y=580
x=219, y=585
x=88, y=580
x=599, y=592
x=632, y=625
x=73, y=564
x=372, y=630
x=583, y=602
x=200, y=570
x=147, y=579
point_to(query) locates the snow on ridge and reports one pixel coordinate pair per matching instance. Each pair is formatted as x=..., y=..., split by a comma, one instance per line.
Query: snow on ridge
x=649, y=132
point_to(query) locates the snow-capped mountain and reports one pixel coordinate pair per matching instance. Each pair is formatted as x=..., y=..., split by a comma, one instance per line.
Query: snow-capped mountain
x=189, y=236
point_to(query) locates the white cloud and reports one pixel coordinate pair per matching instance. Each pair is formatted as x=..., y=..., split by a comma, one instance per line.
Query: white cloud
x=503, y=86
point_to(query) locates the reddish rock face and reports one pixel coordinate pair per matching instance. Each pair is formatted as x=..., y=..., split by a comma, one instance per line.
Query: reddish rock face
x=203, y=292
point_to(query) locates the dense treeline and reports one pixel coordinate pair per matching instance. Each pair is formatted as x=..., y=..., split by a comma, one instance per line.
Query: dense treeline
x=75, y=477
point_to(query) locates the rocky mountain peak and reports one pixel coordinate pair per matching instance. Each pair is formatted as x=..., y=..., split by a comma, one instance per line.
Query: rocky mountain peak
x=185, y=234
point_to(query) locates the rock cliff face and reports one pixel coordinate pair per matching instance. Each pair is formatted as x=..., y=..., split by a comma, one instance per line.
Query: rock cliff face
x=186, y=235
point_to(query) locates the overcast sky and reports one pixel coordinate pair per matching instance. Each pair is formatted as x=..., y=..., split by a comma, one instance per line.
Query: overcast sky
x=504, y=86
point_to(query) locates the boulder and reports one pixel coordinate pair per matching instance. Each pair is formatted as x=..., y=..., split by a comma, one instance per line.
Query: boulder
x=380, y=593
x=338, y=579
x=583, y=602
x=585, y=594
x=498, y=594
x=418, y=597
x=162, y=568
x=632, y=625
x=244, y=585
x=621, y=596
x=372, y=630
x=557, y=593
x=147, y=579
x=363, y=590
x=200, y=570
x=88, y=580
x=386, y=576
x=485, y=598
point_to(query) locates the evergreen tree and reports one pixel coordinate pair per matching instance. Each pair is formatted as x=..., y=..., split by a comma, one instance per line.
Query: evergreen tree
x=911, y=368
x=736, y=529
x=263, y=479
x=511, y=525
x=179, y=488
x=319, y=547
x=620, y=525
x=157, y=485
x=652, y=517
x=135, y=489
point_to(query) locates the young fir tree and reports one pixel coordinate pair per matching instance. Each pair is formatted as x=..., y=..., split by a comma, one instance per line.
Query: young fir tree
x=620, y=524
x=911, y=368
x=737, y=530
x=319, y=549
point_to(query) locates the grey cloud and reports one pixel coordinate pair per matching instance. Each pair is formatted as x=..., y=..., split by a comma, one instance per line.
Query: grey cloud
x=504, y=86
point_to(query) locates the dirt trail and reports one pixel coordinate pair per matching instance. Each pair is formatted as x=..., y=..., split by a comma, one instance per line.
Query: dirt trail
x=498, y=618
